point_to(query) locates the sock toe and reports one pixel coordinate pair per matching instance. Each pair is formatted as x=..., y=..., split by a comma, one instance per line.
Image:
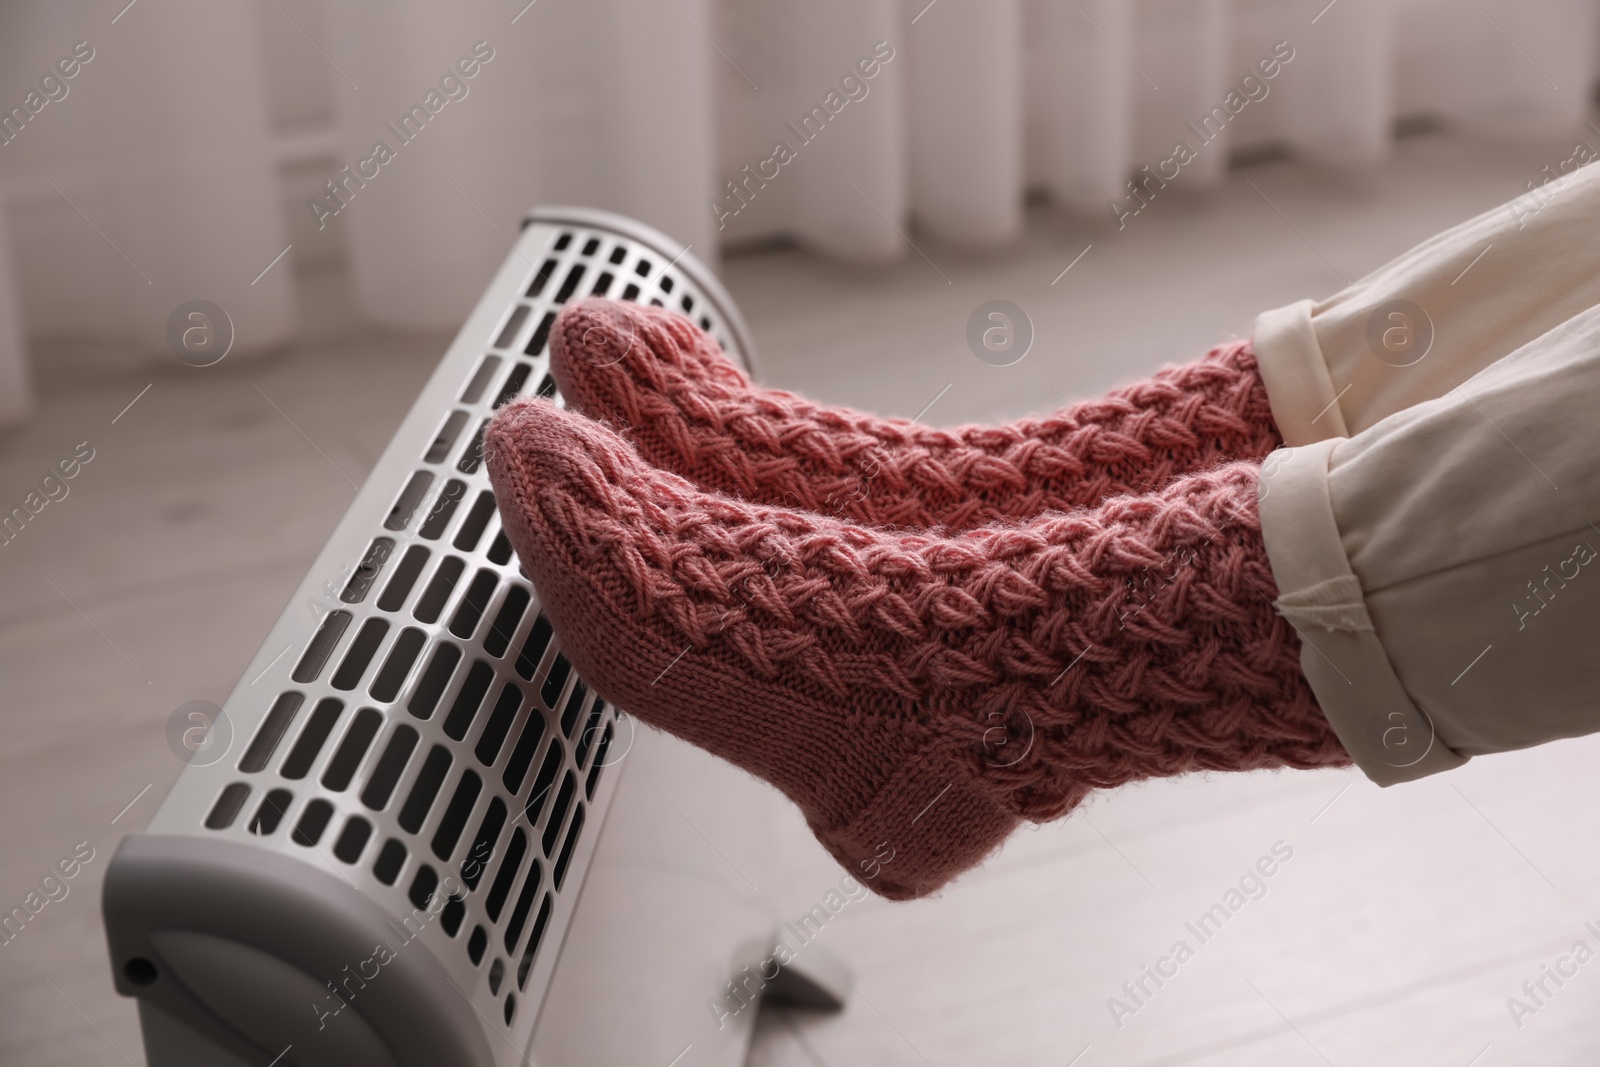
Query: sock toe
x=611, y=359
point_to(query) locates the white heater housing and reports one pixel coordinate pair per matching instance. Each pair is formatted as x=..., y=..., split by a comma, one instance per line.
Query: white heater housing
x=378, y=856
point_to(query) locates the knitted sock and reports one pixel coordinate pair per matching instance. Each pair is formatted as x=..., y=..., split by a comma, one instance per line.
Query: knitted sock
x=914, y=694
x=688, y=409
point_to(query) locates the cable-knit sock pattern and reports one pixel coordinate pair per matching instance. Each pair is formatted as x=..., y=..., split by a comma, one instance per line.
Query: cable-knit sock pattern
x=687, y=408
x=1002, y=672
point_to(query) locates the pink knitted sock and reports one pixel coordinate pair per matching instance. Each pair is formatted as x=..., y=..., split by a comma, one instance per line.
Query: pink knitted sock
x=914, y=694
x=688, y=409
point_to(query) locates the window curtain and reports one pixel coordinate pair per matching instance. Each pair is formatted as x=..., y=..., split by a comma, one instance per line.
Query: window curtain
x=194, y=147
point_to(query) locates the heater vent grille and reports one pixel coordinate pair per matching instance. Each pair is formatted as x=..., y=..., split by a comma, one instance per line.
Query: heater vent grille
x=430, y=727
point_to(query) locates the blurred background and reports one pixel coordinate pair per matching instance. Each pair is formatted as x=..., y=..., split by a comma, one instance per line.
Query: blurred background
x=342, y=179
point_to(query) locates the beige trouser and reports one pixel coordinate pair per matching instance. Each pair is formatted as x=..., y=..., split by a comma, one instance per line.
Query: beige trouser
x=1418, y=327
x=1432, y=524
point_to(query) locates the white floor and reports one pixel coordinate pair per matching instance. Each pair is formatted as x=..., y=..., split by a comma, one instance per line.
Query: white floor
x=1395, y=933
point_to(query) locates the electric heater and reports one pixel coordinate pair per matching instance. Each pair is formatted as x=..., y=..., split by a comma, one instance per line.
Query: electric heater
x=377, y=856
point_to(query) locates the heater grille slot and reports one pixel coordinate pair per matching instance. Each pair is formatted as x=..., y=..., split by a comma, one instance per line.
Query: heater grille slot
x=356, y=741
x=500, y=549
x=391, y=858
x=407, y=647
x=514, y=383
x=426, y=626
x=454, y=912
x=360, y=654
x=433, y=599
x=321, y=646
x=455, y=816
x=474, y=603
x=273, y=727
x=533, y=942
x=542, y=784
x=446, y=438
x=478, y=856
x=423, y=885
x=472, y=455
x=550, y=691
x=506, y=620
x=513, y=327
x=542, y=334
x=357, y=831
x=476, y=522
x=386, y=775
x=274, y=806
x=444, y=509
x=542, y=278
x=479, y=381
x=368, y=570
x=425, y=789
x=533, y=648
x=567, y=846
x=598, y=765
x=468, y=700
x=226, y=809
x=313, y=821
x=507, y=875
x=499, y=724
x=405, y=576
x=516, y=771
x=434, y=680
x=575, y=702
x=310, y=741
x=519, y=913
x=552, y=827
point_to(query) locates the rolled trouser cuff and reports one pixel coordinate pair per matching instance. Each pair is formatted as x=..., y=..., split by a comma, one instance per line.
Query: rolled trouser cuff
x=1299, y=387
x=1343, y=658
x=1431, y=318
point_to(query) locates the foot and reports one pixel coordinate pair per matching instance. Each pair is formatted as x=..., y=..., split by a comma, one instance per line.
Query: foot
x=689, y=409
x=915, y=695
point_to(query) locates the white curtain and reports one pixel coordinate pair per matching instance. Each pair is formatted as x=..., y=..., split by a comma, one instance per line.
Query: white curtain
x=16, y=389
x=188, y=153
x=150, y=182
x=598, y=102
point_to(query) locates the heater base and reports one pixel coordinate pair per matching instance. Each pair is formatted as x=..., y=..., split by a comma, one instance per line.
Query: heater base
x=820, y=981
x=170, y=1043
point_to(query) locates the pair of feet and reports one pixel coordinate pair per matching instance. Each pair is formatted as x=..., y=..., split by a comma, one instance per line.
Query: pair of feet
x=921, y=636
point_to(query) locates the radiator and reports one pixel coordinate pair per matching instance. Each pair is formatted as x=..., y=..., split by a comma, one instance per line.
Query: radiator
x=376, y=854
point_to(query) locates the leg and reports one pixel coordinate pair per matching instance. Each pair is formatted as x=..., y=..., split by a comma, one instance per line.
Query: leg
x=687, y=408
x=915, y=694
